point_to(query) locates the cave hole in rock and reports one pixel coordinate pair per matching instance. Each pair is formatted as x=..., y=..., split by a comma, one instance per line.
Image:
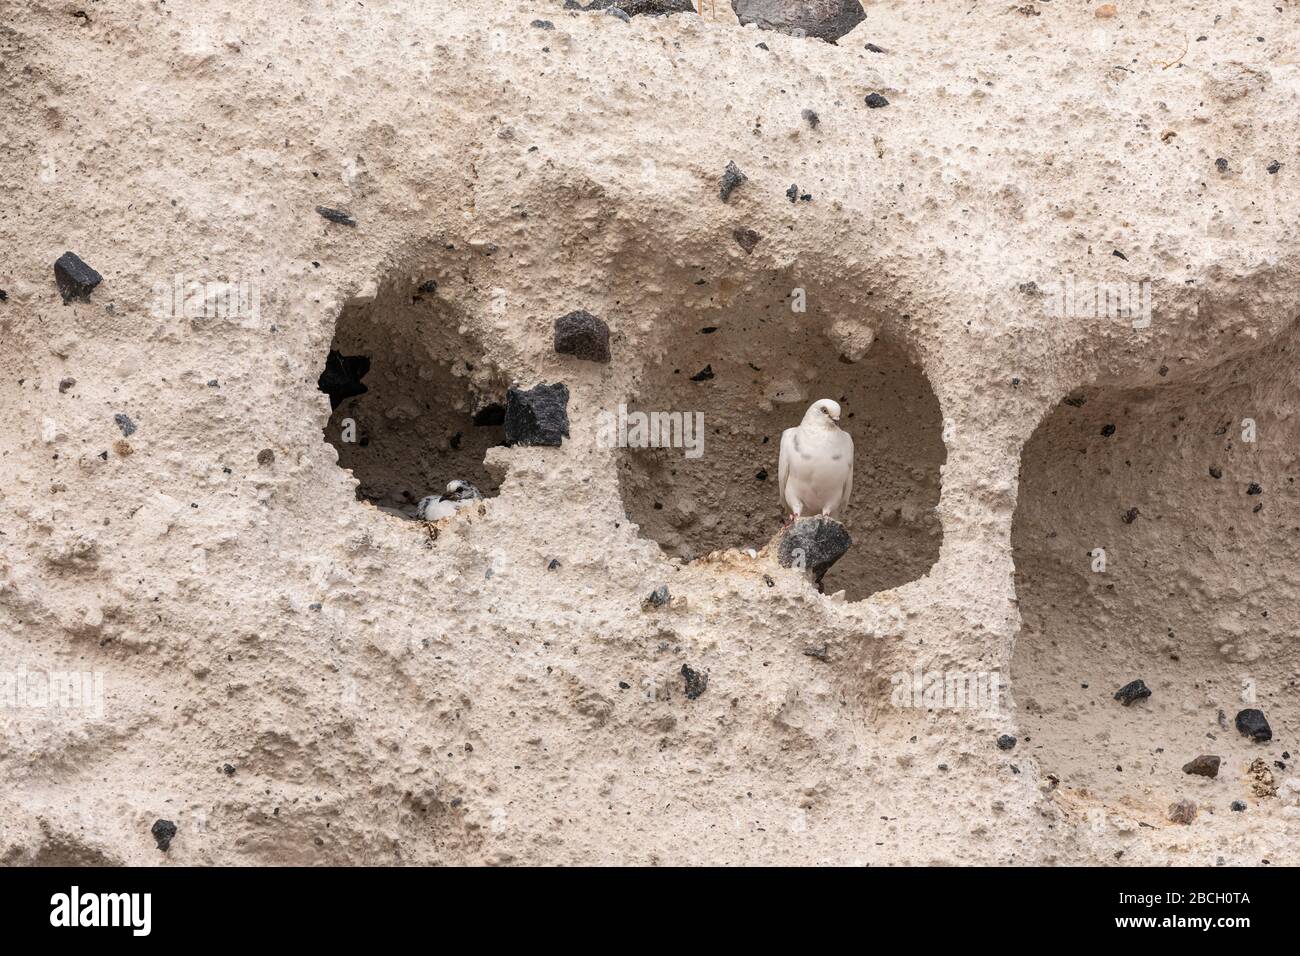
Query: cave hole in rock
x=1200, y=593
x=413, y=405
x=752, y=370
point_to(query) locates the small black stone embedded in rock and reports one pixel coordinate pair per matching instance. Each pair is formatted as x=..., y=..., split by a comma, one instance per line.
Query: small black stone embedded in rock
x=703, y=375
x=1254, y=489
x=1273, y=167
x=75, y=279
x=1130, y=516
x=1133, y=690
x=813, y=544
x=1216, y=471
x=731, y=178
x=637, y=8
x=1107, y=430
x=811, y=117
x=1251, y=723
x=164, y=831
x=696, y=683
x=747, y=239
x=876, y=101
x=583, y=336
x=543, y=24
x=1206, y=765
x=342, y=377
x=124, y=422
x=659, y=597
x=1238, y=806
x=621, y=14
x=336, y=215
x=1221, y=164
x=792, y=193
x=1006, y=742
x=537, y=416
x=872, y=48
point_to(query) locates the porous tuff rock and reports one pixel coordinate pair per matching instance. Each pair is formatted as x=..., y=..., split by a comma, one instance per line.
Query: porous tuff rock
x=930, y=214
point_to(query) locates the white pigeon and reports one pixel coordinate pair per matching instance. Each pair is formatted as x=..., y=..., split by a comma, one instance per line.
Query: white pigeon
x=815, y=475
x=459, y=494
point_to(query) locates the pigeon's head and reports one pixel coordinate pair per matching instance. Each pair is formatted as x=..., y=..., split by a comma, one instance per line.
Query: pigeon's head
x=824, y=411
x=459, y=490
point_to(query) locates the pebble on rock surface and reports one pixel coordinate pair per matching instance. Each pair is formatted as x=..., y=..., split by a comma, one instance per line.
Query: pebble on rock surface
x=732, y=177
x=336, y=215
x=813, y=544
x=583, y=336
x=1206, y=765
x=1183, y=811
x=537, y=416
x=74, y=278
x=1132, y=691
x=1251, y=723
x=696, y=683
x=747, y=239
x=164, y=831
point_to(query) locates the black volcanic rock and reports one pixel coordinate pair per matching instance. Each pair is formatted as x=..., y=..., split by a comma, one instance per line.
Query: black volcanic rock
x=1251, y=723
x=1132, y=691
x=537, y=416
x=583, y=336
x=813, y=544
x=164, y=831
x=74, y=278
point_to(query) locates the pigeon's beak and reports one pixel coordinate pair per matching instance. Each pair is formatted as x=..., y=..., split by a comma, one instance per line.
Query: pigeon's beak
x=835, y=418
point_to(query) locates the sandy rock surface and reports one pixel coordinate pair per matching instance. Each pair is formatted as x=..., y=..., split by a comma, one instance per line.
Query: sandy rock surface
x=247, y=636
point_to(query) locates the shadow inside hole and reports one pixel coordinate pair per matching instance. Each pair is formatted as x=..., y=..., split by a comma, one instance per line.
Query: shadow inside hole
x=410, y=410
x=1198, y=596
x=761, y=377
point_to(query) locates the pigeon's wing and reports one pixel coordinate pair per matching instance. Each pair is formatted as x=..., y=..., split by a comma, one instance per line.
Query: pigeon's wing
x=783, y=467
x=846, y=445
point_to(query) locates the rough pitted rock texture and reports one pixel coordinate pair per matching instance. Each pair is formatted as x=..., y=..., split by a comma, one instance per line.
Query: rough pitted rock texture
x=266, y=616
x=825, y=19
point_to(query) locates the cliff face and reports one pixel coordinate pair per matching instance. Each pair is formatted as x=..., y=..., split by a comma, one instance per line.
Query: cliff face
x=290, y=670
